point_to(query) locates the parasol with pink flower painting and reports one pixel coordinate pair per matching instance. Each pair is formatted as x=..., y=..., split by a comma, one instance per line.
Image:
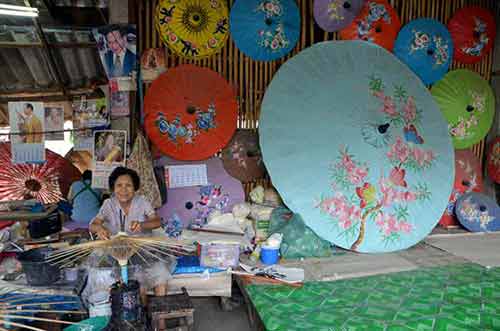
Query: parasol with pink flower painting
x=367, y=164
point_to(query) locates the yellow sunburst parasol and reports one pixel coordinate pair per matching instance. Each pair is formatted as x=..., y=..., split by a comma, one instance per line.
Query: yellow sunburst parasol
x=193, y=29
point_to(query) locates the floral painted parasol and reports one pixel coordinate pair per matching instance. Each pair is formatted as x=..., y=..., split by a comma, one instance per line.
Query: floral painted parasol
x=362, y=152
x=265, y=30
x=468, y=104
x=190, y=112
x=193, y=29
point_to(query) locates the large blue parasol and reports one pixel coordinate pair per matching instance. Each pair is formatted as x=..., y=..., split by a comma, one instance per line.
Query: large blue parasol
x=359, y=148
x=425, y=45
x=265, y=30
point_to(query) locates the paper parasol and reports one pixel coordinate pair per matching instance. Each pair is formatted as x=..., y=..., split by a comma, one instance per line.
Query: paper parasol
x=425, y=45
x=493, y=164
x=47, y=182
x=478, y=212
x=333, y=15
x=193, y=29
x=377, y=22
x=265, y=30
x=242, y=157
x=468, y=178
x=473, y=30
x=468, y=104
x=190, y=112
x=362, y=152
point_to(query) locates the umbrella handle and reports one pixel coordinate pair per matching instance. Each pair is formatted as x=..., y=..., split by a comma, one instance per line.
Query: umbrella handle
x=122, y=222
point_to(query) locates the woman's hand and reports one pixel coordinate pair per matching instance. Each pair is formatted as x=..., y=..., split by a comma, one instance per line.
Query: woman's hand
x=103, y=233
x=135, y=227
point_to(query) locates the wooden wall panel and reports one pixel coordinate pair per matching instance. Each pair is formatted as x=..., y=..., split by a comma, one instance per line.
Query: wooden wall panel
x=251, y=78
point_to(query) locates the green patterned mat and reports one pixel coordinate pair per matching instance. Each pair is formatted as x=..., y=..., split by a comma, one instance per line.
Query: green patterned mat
x=449, y=298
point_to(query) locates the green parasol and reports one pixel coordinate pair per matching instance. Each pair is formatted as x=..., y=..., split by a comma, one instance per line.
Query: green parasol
x=468, y=104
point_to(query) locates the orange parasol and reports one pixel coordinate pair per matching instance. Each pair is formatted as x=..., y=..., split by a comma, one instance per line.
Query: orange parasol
x=377, y=22
x=190, y=112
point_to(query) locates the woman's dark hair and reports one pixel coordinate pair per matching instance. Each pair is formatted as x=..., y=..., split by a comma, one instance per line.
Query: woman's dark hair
x=122, y=171
x=87, y=175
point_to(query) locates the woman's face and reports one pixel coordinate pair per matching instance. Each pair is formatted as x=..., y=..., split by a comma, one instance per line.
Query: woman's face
x=124, y=189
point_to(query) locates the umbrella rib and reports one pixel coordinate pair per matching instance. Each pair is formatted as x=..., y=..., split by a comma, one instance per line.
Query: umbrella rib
x=19, y=325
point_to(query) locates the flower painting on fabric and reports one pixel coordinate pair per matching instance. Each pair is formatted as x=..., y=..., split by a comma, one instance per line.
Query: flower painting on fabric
x=385, y=201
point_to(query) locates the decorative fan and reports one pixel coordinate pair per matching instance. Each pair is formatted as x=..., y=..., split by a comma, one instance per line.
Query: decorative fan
x=48, y=182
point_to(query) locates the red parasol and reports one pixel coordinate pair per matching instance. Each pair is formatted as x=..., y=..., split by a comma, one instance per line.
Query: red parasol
x=48, y=182
x=190, y=112
x=377, y=22
x=473, y=31
x=493, y=163
x=468, y=178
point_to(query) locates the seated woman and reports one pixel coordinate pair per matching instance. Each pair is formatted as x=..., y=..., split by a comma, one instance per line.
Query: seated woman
x=124, y=205
x=85, y=200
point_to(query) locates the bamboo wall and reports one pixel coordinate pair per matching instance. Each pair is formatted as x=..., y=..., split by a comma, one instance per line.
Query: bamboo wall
x=252, y=77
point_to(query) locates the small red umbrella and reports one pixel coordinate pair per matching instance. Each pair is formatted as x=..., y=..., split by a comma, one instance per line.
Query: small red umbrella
x=48, y=182
x=473, y=31
x=377, y=22
x=493, y=163
x=190, y=112
x=468, y=178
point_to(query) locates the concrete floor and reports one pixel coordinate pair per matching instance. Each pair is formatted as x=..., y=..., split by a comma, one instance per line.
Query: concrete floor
x=208, y=316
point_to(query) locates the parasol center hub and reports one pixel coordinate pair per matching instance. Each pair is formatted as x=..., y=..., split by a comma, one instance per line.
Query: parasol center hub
x=191, y=110
x=268, y=21
x=465, y=183
x=378, y=29
x=346, y=5
x=430, y=52
x=196, y=18
x=33, y=185
x=470, y=108
x=189, y=205
x=482, y=208
x=383, y=128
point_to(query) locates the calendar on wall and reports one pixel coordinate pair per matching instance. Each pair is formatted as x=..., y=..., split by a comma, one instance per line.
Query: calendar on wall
x=186, y=175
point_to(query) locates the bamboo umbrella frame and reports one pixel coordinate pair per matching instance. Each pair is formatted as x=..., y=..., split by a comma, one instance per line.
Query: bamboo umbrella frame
x=13, y=306
x=122, y=247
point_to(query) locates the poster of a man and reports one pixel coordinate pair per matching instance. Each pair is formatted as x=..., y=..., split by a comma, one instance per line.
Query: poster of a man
x=54, y=121
x=30, y=125
x=117, y=49
x=27, y=125
x=109, y=146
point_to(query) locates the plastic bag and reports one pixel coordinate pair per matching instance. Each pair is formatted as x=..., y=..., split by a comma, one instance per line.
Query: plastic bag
x=298, y=239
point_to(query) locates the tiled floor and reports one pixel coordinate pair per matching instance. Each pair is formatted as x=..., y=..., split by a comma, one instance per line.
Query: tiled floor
x=454, y=297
